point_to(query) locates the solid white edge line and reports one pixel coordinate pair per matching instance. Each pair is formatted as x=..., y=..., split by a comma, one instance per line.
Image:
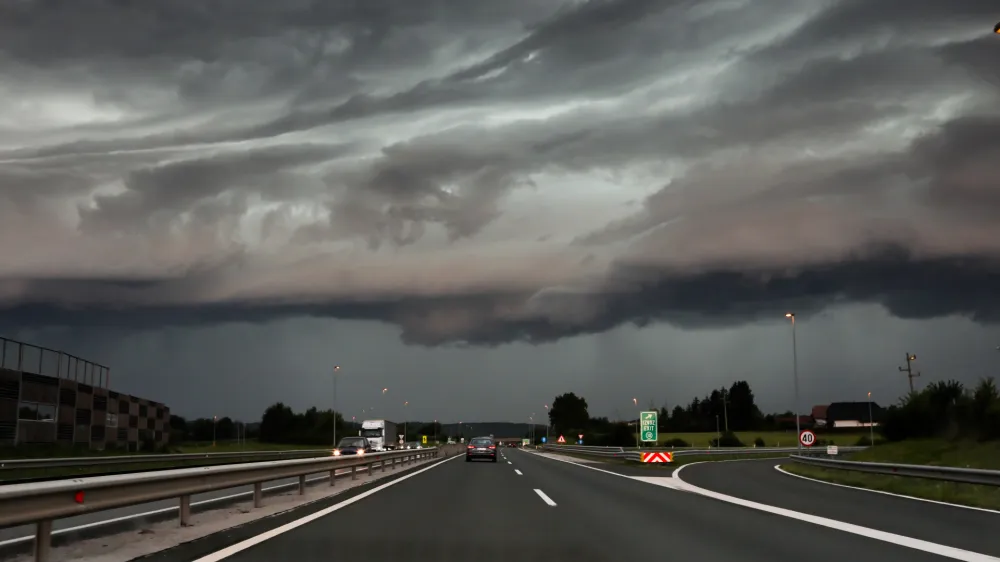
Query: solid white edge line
x=545, y=498
x=883, y=492
x=892, y=538
x=518, y=472
x=270, y=534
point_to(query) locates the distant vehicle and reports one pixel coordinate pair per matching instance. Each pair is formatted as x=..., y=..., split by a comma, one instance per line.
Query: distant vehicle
x=481, y=448
x=414, y=445
x=352, y=446
x=380, y=433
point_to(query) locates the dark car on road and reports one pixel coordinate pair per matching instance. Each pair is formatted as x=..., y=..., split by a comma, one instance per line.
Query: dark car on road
x=352, y=446
x=481, y=448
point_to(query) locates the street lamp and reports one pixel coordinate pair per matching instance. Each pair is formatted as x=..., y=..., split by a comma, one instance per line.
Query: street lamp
x=638, y=424
x=548, y=422
x=336, y=369
x=795, y=376
x=871, y=421
x=405, y=404
x=215, y=421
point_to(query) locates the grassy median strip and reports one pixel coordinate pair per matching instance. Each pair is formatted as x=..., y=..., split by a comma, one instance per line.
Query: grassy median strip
x=770, y=438
x=964, y=454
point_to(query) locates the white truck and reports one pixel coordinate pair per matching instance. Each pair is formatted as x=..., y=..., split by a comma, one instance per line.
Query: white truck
x=380, y=433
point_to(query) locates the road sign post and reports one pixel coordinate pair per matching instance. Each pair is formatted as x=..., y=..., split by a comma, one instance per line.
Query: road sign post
x=649, y=426
x=423, y=439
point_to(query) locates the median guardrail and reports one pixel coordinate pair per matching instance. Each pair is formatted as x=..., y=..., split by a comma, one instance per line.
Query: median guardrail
x=42, y=502
x=946, y=473
x=636, y=454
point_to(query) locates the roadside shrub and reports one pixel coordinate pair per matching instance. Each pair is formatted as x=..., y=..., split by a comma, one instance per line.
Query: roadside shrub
x=676, y=442
x=728, y=439
x=759, y=442
x=947, y=410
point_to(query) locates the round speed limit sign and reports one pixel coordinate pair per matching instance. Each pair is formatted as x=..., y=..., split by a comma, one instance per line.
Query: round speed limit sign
x=807, y=438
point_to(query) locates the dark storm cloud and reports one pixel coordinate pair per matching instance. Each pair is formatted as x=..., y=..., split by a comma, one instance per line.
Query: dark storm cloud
x=908, y=286
x=226, y=159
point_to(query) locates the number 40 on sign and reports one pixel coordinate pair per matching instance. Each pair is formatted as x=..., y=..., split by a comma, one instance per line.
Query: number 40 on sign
x=807, y=438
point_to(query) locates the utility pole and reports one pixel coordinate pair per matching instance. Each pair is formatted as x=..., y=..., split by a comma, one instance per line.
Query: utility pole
x=909, y=369
x=725, y=408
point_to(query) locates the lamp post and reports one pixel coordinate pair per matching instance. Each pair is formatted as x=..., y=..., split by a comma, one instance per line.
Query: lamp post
x=638, y=424
x=215, y=422
x=871, y=421
x=795, y=377
x=336, y=369
x=405, y=435
x=548, y=422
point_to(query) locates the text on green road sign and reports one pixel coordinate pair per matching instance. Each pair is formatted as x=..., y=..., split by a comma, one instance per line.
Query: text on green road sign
x=648, y=426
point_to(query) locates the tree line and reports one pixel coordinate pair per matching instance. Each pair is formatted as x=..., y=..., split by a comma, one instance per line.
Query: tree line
x=731, y=407
x=946, y=409
x=280, y=424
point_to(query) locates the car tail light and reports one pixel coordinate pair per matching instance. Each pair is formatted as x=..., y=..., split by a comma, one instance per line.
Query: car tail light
x=493, y=446
x=471, y=447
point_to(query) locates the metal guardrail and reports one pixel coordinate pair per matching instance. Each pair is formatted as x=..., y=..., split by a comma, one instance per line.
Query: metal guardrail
x=636, y=454
x=41, y=503
x=946, y=473
x=111, y=460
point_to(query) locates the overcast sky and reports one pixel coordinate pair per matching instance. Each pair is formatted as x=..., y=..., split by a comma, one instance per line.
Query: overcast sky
x=480, y=205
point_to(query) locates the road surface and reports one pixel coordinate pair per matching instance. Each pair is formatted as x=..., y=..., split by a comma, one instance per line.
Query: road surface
x=759, y=481
x=528, y=507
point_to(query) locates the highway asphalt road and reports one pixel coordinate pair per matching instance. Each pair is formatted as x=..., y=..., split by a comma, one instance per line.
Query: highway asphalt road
x=166, y=508
x=527, y=507
x=759, y=481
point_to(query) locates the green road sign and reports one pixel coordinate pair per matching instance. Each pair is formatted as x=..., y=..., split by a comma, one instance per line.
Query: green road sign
x=648, y=426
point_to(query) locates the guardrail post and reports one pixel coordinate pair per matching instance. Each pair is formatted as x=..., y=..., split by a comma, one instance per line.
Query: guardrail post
x=258, y=494
x=354, y=473
x=383, y=465
x=302, y=484
x=43, y=540
x=333, y=476
x=185, y=511
x=370, y=467
x=392, y=463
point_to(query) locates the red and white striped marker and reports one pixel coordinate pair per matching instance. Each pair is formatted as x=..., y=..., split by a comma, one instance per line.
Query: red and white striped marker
x=658, y=457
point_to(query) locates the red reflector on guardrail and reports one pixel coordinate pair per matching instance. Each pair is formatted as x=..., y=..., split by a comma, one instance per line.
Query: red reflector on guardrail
x=78, y=497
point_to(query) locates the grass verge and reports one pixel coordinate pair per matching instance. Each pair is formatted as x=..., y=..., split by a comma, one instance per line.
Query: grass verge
x=770, y=438
x=929, y=452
